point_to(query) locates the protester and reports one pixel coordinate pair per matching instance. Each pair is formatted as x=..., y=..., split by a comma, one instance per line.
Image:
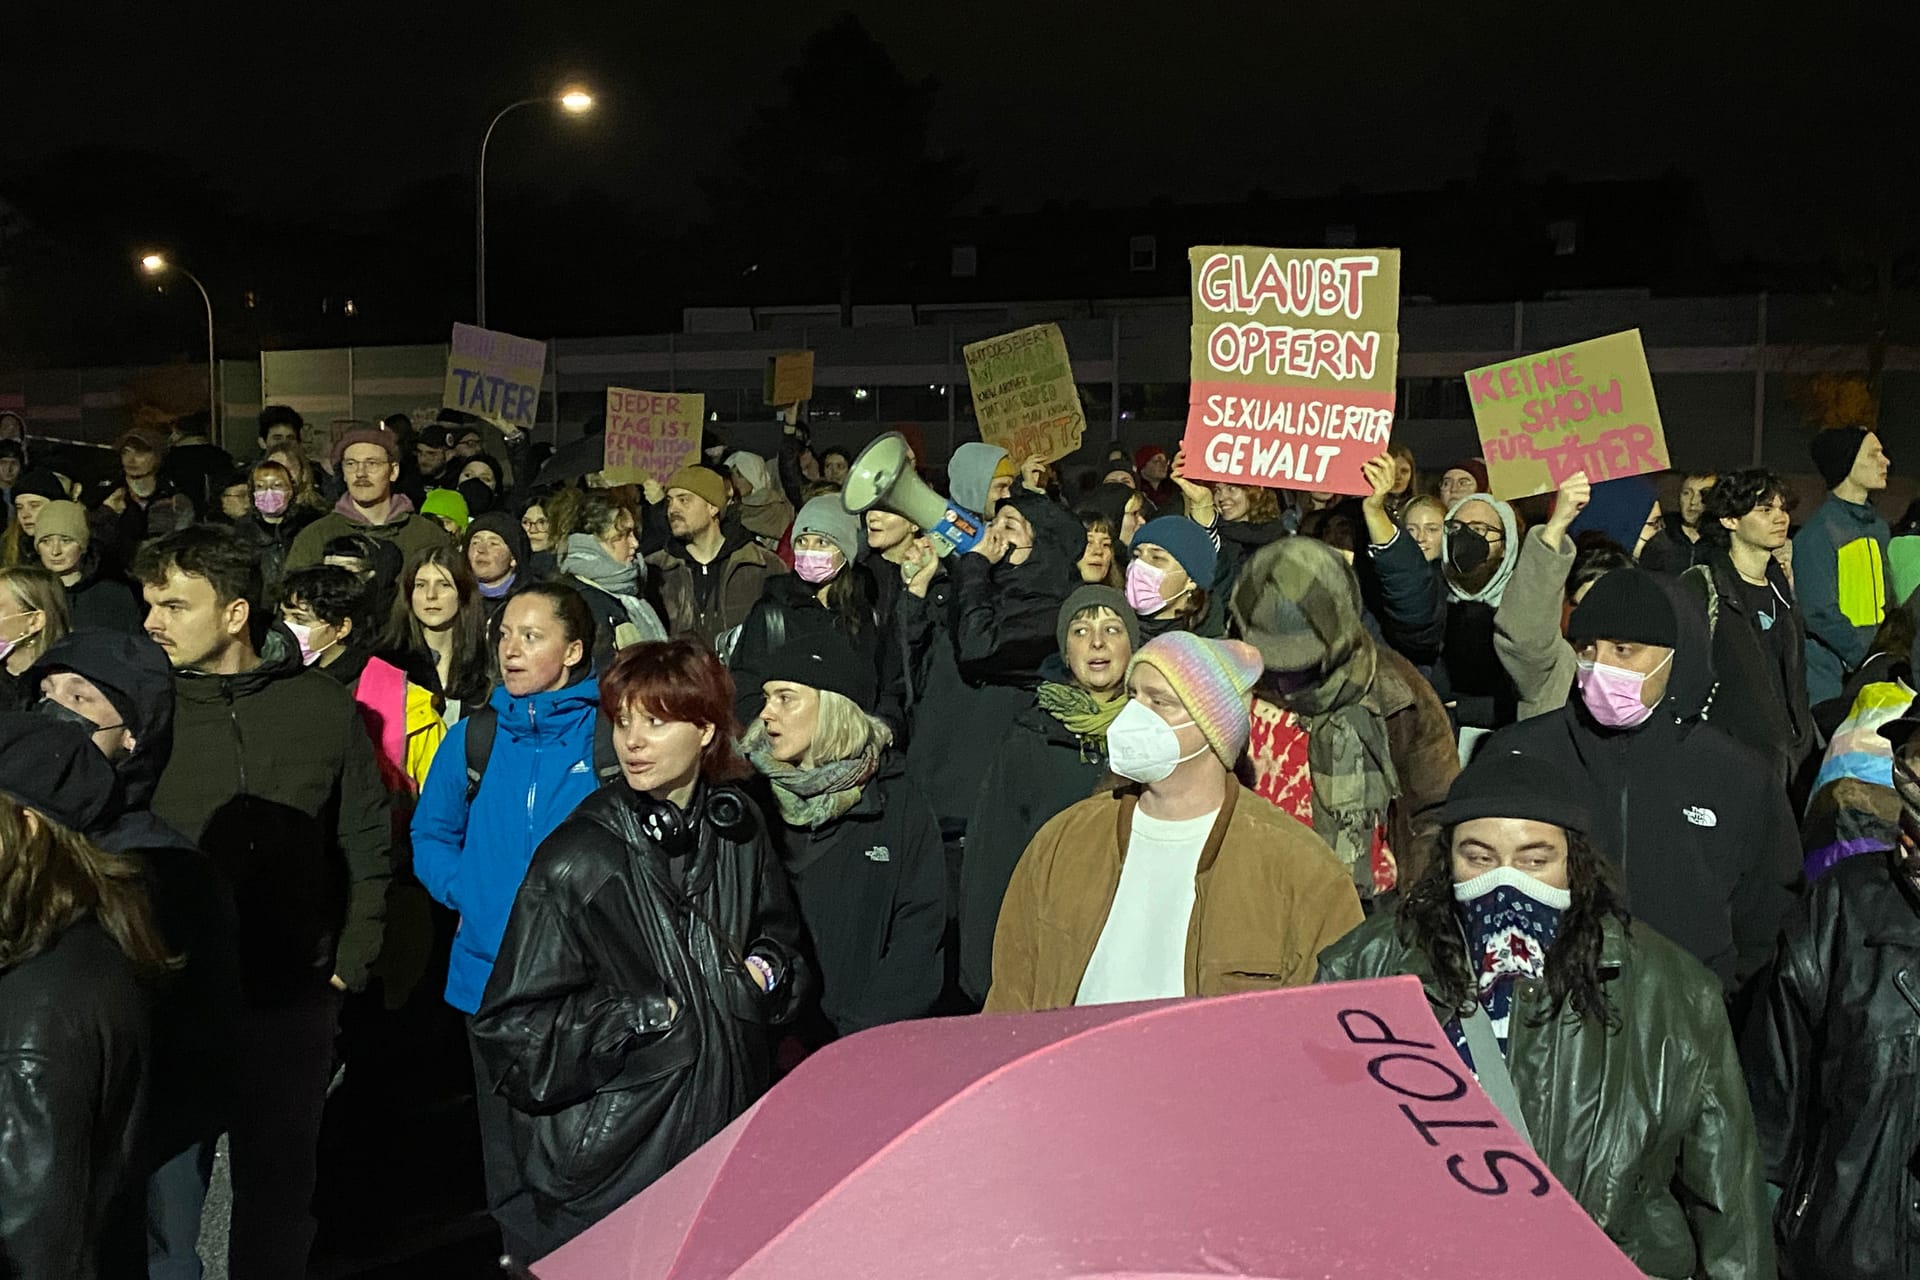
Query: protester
x=1702, y=834
x=1183, y=883
x=1462, y=480
x=236, y=497
x=1405, y=473
x=620, y=1036
x=307, y=498
x=711, y=573
x=1346, y=736
x=764, y=510
x=1530, y=621
x=65, y=546
x=33, y=615
x=326, y=610
x=498, y=554
x=13, y=461
x=273, y=775
x=975, y=480
x=1759, y=639
x=33, y=491
x=1155, y=469
x=448, y=509
x=75, y=1038
x=1840, y=559
x=537, y=525
x=1677, y=544
x=1605, y=1045
x=501, y=782
x=431, y=453
x=828, y=591
x=1097, y=564
x=369, y=459
x=1173, y=558
x=280, y=428
x=1424, y=519
x=274, y=519
x=1829, y=1055
x=859, y=843
x=436, y=631
x=194, y=465
x=142, y=503
x=1053, y=755
x=118, y=689
x=602, y=564
x=1249, y=520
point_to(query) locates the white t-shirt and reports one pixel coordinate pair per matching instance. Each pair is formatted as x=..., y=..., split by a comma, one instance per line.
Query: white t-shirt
x=1142, y=952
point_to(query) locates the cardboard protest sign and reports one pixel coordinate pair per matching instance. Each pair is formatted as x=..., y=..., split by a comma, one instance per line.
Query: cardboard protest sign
x=789, y=378
x=495, y=376
x=1023, y=393
x=1587, y=407
x=651, y=434
x=1293, y=359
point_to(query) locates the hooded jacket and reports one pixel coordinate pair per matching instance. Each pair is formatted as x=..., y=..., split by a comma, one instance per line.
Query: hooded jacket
x=1039, y=769
x=473, y=858
x=1646, y=1125
x=609, y=1087
x=405, y=528
x=274, y=776
x=1759, y=699
x=105, y=602
x=872, y=890
x=744, y=567
x=195, y=1009
x=1004, y=614
x=970, y=474
x=1840, y=575
x=765, y=511
x=1830, y=1056
x=1702, y=834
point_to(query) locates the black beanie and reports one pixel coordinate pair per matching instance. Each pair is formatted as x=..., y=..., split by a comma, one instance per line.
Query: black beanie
x=1835, y=450
x=507, y=528
x=38, y=482
x=1506, y=784
x=825, y=660
x=53, y=766
x=1626, y=604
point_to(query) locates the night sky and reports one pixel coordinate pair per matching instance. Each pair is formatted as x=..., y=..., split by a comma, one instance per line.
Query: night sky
x=1796, y=121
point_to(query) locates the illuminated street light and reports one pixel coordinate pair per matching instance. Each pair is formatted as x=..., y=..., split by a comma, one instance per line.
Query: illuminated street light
x=575, y=101
x=155, y=264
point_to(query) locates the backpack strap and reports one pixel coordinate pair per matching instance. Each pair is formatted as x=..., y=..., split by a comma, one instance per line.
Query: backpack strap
x=606, y=761
x=482, y=725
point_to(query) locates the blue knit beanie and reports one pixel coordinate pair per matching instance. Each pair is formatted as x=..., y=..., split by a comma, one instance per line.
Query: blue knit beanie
x=1185, y=541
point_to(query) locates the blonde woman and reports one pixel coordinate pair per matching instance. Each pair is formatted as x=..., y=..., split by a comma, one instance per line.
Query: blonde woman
x=33, y=614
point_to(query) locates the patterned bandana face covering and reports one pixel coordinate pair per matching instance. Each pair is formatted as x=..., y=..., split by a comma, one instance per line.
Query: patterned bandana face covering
x=1510, y=919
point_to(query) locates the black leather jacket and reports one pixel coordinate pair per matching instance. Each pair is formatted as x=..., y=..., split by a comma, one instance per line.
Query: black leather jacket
x=74, y=1059
x=610, y=1089
x=1833, y=1063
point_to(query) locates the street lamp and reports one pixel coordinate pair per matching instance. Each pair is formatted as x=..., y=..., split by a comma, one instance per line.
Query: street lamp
x=155, y=264
x=575, y=101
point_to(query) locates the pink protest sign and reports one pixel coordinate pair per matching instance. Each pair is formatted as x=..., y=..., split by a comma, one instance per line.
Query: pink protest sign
x=651, y=434
x=1293, y=359
x=1586, y=407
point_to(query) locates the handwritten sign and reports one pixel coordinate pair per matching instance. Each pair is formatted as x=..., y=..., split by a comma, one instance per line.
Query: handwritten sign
x=1023, y=393
x=495, y=376
x=1588, y=407
x=1293, y=359
x=651, y=434
x=789, y=378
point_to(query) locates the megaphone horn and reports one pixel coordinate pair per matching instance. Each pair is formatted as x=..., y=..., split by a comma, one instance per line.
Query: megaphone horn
x=880, y=477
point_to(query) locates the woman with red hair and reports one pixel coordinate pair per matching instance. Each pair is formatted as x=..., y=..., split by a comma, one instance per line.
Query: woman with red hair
x=652, y=946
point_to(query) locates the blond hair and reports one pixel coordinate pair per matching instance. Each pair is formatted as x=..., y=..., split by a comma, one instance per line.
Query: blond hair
x=35, y=589
x=841, y=731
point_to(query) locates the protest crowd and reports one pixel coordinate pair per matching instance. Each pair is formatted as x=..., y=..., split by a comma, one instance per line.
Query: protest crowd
x=649, y=791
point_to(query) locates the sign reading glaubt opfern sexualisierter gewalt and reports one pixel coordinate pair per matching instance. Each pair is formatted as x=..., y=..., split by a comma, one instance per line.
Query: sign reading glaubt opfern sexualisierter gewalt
x=1293, y=359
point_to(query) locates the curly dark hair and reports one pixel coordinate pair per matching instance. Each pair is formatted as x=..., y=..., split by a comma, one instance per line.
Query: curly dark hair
x=1428, y=920
x=1595, y=555
x=1735, y=494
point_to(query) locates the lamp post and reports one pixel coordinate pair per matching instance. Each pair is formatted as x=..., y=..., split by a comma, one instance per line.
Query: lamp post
x=575, y=102
x=155, y=264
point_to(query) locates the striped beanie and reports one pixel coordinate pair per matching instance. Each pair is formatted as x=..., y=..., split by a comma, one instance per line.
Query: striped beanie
x=1214, y=680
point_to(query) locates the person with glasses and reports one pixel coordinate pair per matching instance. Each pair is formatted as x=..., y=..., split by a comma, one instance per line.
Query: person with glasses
x=1759, y=636
x=368, y=458
x=1829, y=1055
x=538, y=526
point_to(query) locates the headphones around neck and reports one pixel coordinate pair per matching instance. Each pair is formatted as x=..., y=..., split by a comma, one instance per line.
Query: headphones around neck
x=677, y=831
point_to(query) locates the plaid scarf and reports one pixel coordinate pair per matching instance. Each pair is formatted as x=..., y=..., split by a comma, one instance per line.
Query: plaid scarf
x=811, y=798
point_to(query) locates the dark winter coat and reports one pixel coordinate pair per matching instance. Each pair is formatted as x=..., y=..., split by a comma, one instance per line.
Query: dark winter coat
x=788, y=611
x=1646, y=1125
x=1760, y=700
x=1004, y=615
x=274, y=541
x=1831, y=1055
x=106, y=602
x=75, y=1053
x=744, y=567
x=609, y=1087
x=1671, y=550
x=1700, y=830
x=1239, y=539
x=274, y=776
x=1038, y=768
x=872, y=890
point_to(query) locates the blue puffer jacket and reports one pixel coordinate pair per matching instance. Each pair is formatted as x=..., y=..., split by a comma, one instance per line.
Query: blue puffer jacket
x=474, y=861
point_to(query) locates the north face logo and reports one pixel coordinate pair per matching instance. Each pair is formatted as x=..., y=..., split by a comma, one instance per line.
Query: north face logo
x=879, y=853
x=1700, y=817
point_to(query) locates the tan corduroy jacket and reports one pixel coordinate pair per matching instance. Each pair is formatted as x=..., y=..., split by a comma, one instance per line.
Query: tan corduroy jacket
x=1268, y=895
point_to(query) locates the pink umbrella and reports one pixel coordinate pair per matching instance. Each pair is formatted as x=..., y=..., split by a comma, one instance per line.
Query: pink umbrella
x=1329, y=1131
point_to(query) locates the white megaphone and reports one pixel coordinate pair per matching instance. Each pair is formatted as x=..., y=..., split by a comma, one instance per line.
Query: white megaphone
x=880, y=477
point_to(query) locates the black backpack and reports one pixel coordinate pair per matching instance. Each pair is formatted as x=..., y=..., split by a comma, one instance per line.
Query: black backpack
x=484, y=724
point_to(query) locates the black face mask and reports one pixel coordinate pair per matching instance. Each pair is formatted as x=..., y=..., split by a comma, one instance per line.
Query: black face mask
x=67, y=715
x=1467, y=549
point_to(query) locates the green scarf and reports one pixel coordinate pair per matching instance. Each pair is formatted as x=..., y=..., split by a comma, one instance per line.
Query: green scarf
x=812, y=798
x=1085, y=717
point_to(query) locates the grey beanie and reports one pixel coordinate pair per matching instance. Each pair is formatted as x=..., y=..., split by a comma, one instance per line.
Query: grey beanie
x=1097, y=595
x=827, y=516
